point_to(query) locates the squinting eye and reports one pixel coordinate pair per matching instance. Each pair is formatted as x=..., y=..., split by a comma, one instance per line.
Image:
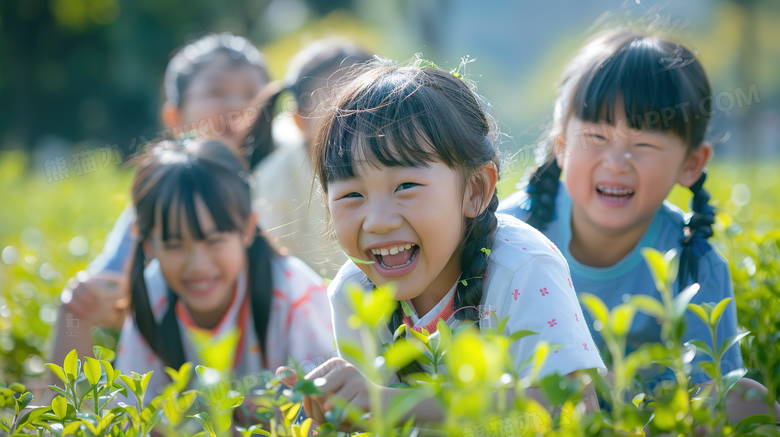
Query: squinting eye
x=352, y=195
x=406, y=186
x=646, y=145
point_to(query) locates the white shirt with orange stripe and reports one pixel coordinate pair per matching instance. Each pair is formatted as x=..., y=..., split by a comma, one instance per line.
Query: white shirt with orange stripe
x=299, y=327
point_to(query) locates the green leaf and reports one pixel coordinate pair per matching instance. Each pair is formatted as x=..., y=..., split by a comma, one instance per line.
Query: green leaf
x=517, y=335
x=57, y=370
x=32, y=416
x=24, y=400
x=731, y=341
x=648, y=305
x=539, y=357
x=486, y=251
x=718, y=311
x=621, y=318
x=699, y=311
x=465, y=283
x=701, y=346
x=231, y=403
x=60, y=407
x=102, y=353
x=145, y=382
x=110, y=374
x=131, y=383
x=659, y=267
x=731, y=378
x=360, y=261
x=595, y=306
x=746, y=425
x=401, y=354
x=681, y=301
x=709, y=368
x=71, y=366
x=92, y=370
x=407, y=309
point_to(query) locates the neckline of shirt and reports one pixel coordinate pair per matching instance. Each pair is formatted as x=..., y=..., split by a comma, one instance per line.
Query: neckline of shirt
x=622, y=267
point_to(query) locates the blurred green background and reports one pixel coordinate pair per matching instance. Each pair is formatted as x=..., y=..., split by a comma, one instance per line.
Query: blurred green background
x=87, y=75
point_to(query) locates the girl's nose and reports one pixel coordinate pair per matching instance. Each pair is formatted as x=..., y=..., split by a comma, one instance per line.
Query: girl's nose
x=381, y=218
x=618, y=160
x=198, y=258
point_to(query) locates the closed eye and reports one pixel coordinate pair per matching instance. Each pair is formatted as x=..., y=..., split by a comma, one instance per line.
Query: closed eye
x=652, y=146
x=406, y=186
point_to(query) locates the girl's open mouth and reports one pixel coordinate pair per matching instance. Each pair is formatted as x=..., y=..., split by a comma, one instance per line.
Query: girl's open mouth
x=396, y=260
x=614, y=195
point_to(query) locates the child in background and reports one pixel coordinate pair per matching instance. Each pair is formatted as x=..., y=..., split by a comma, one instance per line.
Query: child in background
x=407, y=161
x=290, y=209
x=205, y=286
x=629, y=124
x=204, y=81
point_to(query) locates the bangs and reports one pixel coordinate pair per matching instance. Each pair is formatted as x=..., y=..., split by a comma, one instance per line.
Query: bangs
x=167, y=189
x=395, y=120
x=662, y=87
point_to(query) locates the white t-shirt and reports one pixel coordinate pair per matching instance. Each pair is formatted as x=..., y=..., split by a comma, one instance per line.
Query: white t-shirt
x=298, y=327
x=528, y=280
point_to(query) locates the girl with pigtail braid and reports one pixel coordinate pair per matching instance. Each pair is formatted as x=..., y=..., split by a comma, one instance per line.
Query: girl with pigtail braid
x=406, y=160
x=619, y=158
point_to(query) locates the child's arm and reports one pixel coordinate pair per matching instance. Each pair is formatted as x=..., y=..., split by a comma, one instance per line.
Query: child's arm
x=345, y=382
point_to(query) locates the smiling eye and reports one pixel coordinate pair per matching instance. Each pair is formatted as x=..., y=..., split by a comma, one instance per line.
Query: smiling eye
x=646, y=145
x=352, y=195
x=406, y=186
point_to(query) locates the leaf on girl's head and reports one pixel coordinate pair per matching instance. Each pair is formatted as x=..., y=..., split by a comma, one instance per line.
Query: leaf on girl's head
x=464, y=282
x=360, y=261
x=486, y=251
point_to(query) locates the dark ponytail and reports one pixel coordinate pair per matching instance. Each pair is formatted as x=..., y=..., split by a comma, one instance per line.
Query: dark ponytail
x=698, y=228
x=542, y=190
x=169, y=177
x=259, y=142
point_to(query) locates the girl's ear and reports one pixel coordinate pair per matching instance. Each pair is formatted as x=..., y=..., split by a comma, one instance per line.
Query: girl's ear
x=171, y=116
x=147, y=247
x=694, y=165
x=559, y=149
x=480, y=190
x=250, y=229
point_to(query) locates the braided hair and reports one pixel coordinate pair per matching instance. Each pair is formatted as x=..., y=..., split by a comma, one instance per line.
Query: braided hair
x=390, y=115
x=647, y=74
x=167, y=180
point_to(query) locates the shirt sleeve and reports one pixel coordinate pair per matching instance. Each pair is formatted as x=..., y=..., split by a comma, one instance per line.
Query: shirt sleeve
x=307, y=322
x=542, y=300
x=715, y=282
x=119, y=245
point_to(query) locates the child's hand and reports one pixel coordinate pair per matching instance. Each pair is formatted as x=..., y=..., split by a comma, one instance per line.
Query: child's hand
x=341, y=382
x=99, y=301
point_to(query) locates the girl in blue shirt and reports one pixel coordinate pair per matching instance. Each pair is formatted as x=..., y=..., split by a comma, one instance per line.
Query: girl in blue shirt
x=629, y=124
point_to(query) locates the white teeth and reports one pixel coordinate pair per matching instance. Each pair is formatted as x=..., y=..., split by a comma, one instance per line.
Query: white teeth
x=201, y=285
x=615, y=191
x=391, y=250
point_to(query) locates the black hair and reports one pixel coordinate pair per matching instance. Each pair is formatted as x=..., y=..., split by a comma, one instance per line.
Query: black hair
x=390, y=115
x=165, y=187
x=311, y=71
x=662, y=87
x=196, y=55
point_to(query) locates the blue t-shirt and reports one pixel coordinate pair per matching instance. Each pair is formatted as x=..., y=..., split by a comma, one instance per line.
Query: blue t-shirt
x=120, y=244
x=615, y=284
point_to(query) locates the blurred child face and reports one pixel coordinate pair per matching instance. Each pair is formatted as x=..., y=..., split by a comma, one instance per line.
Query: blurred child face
x=216, y=98
x=202, y=273
x=618, y=178
x=409, y=221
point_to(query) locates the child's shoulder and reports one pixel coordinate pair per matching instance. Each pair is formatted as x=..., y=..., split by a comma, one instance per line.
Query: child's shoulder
x=672, y=233
x=518, y=243
x=293, y=278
